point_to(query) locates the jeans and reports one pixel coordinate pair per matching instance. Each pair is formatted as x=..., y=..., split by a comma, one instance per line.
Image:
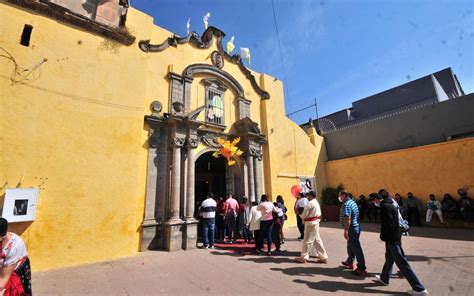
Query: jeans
x=220, y=223
x=246, y=233
x=394, y=253
x=256, y=235
x=208, y=226
x=265, y=231
x=230, y=222
x=276, y=235
x=300, y=224
x=354, y=249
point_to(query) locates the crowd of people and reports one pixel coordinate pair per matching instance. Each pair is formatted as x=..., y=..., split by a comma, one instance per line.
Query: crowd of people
x=264, y=221
x=391, y=233
x=411, y=207
x=227, y=219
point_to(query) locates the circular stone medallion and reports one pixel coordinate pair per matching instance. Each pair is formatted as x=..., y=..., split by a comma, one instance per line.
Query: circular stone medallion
x=217, y=59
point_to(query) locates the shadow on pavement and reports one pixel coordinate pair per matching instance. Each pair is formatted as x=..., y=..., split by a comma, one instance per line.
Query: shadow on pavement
x=316, y=270
x=269, y=259
x=335, y=286
x=430, y=259
x=424, y=231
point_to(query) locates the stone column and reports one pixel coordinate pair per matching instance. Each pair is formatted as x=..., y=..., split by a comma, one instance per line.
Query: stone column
x=190, y=198
x=191, y=236
x=177, y=143
x=251, y=177
x=245, y=178
x=258, y=176
x=174, y=226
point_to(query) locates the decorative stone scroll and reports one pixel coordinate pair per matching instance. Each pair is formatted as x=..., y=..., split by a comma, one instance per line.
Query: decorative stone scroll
x=203, y=43
x=177, y=141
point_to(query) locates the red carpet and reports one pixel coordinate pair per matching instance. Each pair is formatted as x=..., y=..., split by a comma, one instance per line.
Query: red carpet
x=238, y=247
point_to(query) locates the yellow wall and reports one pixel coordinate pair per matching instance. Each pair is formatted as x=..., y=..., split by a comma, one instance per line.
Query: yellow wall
x=289, y=153
x=74, y=132
x=438, y=169
x=77, y=131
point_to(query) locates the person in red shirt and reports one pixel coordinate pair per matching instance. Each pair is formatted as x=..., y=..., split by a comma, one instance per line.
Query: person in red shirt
x=220, y=222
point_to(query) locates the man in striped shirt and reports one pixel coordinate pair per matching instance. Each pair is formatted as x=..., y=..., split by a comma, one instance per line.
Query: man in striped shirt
x=208, y=213
x=349, y=218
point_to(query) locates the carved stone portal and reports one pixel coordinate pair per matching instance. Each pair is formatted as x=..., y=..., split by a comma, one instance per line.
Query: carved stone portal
x=169, y=221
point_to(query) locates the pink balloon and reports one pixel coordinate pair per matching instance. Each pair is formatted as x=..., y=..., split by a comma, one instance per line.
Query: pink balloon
x=296, y=190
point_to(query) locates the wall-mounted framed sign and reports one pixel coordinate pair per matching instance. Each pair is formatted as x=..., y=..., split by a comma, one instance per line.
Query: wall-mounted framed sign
x=20, y=204
x=308, y=184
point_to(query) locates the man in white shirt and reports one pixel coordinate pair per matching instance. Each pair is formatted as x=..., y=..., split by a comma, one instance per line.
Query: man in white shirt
x=300, y=203
x=311, y=216
x=208, y=213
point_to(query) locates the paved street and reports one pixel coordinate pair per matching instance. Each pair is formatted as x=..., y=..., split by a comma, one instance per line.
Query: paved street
x=442, y=258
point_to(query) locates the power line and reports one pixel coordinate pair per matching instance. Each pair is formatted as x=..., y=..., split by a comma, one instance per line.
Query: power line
x=285, y=81
x=302, y=109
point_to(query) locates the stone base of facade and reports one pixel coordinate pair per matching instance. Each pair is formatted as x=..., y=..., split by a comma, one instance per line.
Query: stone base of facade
x=170, y=236
x=173, y=235
x=152, y=236
x=191, y=237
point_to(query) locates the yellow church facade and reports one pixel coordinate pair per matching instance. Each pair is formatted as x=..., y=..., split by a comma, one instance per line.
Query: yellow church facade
x=117, y=130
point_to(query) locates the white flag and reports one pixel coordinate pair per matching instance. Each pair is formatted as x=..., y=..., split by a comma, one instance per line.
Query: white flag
x=206, y=19
x=245, y=53
x=188, y=26
x=230, y=45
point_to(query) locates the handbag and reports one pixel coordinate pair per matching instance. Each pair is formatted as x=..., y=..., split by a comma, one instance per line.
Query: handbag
x=404, y=226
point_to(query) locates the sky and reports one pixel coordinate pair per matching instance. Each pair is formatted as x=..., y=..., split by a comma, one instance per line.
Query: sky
x=335, y=51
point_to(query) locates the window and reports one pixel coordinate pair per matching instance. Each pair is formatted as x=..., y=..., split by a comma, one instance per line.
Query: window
x=215, y=102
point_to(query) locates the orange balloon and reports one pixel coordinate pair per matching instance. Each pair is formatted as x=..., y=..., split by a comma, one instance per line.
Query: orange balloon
x=296, y=190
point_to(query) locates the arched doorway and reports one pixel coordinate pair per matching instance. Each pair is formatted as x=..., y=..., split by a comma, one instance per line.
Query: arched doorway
x=210, y=176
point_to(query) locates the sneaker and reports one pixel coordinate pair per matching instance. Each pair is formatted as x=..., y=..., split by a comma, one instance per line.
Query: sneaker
x=210, y=247
x=205, y=247
x=413, y=292
x=347, y=265
x=322, y=261
x=360, y=272
x=269, y=253
x=379, y=280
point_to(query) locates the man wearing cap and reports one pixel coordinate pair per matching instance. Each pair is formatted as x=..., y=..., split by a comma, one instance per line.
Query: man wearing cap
x=391, y=234
x=311, y=216
x=349, y=218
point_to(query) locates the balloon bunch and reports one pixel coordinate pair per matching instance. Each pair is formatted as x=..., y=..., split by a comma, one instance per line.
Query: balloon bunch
x=229, y=150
